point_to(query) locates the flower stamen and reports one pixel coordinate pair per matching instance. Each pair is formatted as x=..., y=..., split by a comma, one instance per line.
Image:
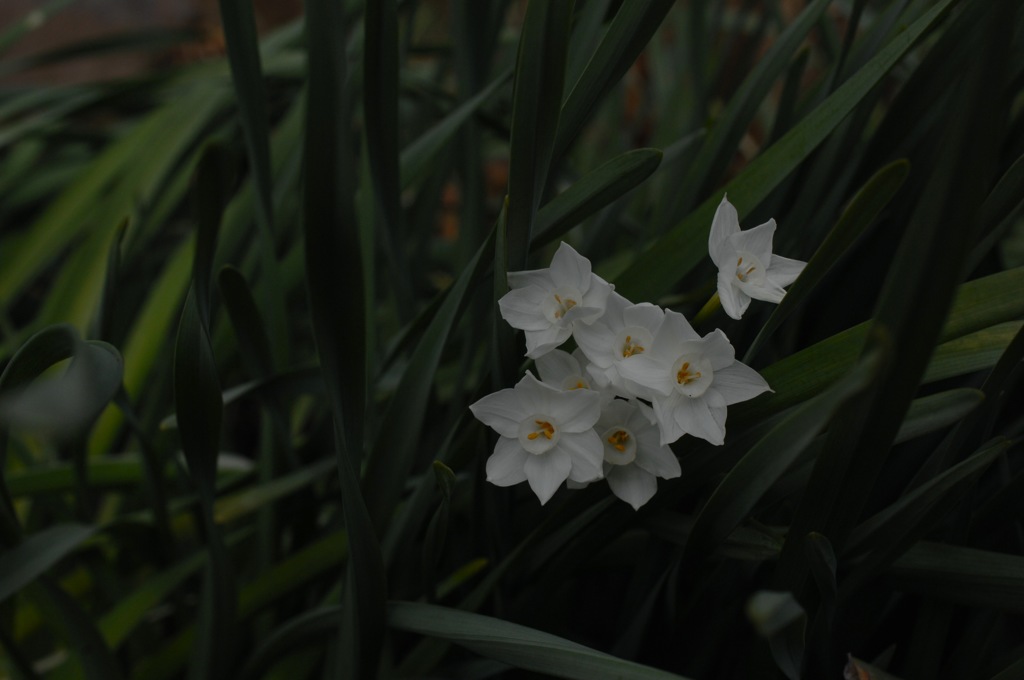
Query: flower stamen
x=684, y=376
x=546, y=429
x=619, y=440
x=563, y=305
x=631, y=347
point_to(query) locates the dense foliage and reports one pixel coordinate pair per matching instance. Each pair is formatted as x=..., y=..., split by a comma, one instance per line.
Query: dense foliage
x=246, y=303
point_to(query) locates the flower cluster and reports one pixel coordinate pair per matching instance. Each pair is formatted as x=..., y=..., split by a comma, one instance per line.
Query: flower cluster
x=641, y=377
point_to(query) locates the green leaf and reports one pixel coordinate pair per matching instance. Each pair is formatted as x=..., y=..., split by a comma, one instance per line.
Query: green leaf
x=536, y=102
x=719, y=146
x=65, y=406
x=417, y=159
x=516, y=645
x=895, y=528
x=25, y=562
x=738, y=494
x=672, y=256
x=628, y=35
x=398, y=440
x=859, y=214
x=600, y=187
x=335, y=286
x=961, y=574
x=253, y=342
x=936, y=411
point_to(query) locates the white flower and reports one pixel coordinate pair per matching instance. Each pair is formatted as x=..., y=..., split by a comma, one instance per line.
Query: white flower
x=746, y=266
x=623, y=333
x=566, y=371
x=633, y=454
x=547, y=303
x=547, y=435
x=690, y=380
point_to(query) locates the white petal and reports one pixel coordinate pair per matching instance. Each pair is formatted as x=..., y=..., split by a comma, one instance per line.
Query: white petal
x=506, y=466
x=597, y=342
x=674, y=329
x=598, y=293
x=555, y=366
x=768, y=290
x=583, y=314
x=757, y=241
x=618, y=413
x=575, y=410
x=717, y=349
x=783, y=271
x=586, y=453
x=723, y=226
x=664, y=408
x=569, y=268
x=648, y=375
x=739, y=382
x=734, y=301
x=500, y=411
x=655, y=457
x=539, y=343
x=547, y=472
x=632, y=484
x=695, y=417
x=644, y=315
x=522, y=308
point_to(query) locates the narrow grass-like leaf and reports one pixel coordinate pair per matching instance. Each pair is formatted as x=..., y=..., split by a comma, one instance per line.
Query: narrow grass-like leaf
x=308, y=628
x=536, y=102
x=598, y=188
x=903, y=521
x=24, y=563
x=253, y=342
x=910, y=314
x=936, y=411
x=978, y=305
x=759, y=469
x=862, y=210
x=335, y=286
x=718, y=148
x=516, y=645
x=108, y=303
x=66, y=615
x=978, y=578
x=627, y=36
x=671, y=257
x=417, y=158
x=398, y=440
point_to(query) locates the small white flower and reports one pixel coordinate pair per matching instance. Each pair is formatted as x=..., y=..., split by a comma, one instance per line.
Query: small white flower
x=547, y=435
x=566, y=371
x=547, y=303
x=623, y=333
x=746, y=266
x=690, y=380
x=634, y=457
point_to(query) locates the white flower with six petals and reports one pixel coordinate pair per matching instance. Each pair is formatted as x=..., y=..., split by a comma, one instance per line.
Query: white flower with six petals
x=634, y=456
x=747, y=268
x=547, y=303
x=690, y=380
x=546, y=435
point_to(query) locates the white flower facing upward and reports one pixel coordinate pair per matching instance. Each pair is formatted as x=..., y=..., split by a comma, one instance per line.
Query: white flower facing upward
x=622, y=334
x=547, y=303
x=746, y=266
x=546, y=435
x=634, y=456
x=690, y=380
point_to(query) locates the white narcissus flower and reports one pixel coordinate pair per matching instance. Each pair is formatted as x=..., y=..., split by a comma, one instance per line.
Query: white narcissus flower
x=623, y=333
x=690, y=380
x=567, y=371
x=634, y=456
x=746, y=266
x=547, y=435
x=547, y=303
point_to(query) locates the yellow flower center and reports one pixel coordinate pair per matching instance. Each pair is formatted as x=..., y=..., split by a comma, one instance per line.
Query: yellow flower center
x=619, y=440
x=546, y=429
x=631, y=347
x=742, y=273
x=564, y=305
x=685, y=376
